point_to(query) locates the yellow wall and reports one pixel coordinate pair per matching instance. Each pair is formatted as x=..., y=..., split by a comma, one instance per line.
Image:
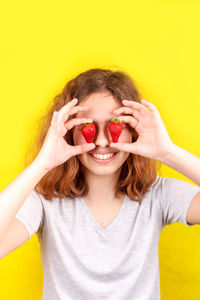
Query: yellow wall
x=45, y=43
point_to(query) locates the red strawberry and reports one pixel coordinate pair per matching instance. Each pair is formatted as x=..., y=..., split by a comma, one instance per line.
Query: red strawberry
x=115, y=128
x=88, y=131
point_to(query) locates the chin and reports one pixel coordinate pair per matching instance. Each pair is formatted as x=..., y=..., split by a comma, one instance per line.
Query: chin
x=103, y=171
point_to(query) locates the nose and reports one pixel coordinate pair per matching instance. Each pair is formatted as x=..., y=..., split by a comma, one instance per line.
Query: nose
x=103, y=138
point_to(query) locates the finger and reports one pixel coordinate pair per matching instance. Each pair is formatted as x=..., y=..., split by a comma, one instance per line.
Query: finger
x=127, y=110
x=76, y=109
x=54, y=119
x=79, y=149
x=68, y=106
x=126, y=147
x=63, y=114
x=128, y=119
x=71, y=123
x=54, y=124
x=64, y=111
x=136, y=105
x=151, y=106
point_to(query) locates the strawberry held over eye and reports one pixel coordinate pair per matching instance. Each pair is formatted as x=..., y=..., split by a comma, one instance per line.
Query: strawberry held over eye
x=88, y=130
x=115, y=127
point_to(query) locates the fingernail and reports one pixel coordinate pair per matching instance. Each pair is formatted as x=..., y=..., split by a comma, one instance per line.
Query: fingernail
x=75, y=100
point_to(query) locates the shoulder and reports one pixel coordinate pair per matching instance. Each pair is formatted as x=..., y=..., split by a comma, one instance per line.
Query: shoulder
x=56, y=202
x=162, y=183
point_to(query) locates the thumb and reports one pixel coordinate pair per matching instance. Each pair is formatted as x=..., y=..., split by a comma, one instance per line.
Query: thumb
x=126, y=147
x=79, y=149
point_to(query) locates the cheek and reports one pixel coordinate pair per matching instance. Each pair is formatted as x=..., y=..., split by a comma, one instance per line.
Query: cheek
x=78, y=137
x=126, y=136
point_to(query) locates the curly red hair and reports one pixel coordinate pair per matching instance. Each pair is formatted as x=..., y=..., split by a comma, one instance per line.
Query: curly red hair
x=67, y=180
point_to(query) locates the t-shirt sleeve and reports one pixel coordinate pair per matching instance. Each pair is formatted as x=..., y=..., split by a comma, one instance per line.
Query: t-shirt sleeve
x=31, y=213
x=176, y=197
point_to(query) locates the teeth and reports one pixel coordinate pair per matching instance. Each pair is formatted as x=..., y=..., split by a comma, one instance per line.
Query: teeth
x=100, y=156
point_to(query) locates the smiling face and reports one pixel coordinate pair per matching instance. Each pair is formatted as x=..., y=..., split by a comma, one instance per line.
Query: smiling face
x=100, y=110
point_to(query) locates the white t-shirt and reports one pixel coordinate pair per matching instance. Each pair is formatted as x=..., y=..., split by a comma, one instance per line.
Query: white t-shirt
x=83, y=261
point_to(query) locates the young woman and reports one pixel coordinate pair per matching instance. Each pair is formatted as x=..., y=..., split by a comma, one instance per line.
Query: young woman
x=98, y=219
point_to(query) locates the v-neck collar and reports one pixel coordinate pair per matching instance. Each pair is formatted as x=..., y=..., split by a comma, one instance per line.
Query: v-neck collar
x=114, y=221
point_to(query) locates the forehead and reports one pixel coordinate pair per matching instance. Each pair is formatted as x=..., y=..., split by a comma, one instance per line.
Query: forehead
x=100, y=107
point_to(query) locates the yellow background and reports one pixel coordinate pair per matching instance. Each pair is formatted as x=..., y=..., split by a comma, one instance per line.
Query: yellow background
x=43, y=45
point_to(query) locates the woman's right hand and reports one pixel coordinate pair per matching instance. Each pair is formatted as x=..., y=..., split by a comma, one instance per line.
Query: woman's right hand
x=55, y=150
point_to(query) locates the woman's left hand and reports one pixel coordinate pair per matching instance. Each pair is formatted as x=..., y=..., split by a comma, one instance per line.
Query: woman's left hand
x=153, y=141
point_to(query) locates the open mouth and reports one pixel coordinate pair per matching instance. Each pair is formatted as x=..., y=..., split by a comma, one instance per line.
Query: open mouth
x=104, y=158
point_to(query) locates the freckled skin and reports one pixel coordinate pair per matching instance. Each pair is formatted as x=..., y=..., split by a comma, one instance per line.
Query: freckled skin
x=100, y=110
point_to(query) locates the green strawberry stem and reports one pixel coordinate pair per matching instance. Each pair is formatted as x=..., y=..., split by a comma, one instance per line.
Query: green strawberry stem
x=87, y=124
x=116, y=120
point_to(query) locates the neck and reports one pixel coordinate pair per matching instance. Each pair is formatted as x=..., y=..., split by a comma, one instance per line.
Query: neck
x=102, y=189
